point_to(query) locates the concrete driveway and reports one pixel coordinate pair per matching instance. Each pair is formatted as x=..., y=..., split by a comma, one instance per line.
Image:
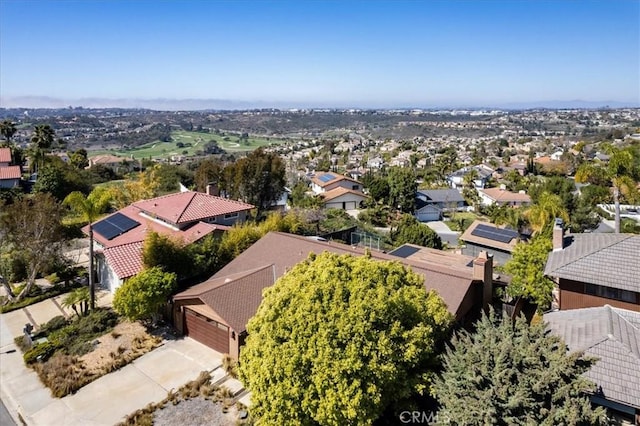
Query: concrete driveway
x=107, y=400
x=445, y=233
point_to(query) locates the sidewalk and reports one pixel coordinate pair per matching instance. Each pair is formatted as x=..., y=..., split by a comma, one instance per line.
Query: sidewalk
x=107, y=400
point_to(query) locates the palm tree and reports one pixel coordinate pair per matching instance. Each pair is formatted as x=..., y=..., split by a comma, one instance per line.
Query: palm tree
x=548, y=207
x=618, y=172
x=7, y=130
x=41, y=140
x=89, y=207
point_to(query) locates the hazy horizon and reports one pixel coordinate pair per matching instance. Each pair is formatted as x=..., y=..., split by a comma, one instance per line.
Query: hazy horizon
x=383, y=54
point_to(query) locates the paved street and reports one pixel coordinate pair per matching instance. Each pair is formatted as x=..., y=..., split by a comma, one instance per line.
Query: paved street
x=144, y=381
x=444, y=232
x=5, y=417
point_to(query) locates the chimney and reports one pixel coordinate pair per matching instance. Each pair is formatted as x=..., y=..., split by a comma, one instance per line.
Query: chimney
x=483, y=271
x=212, y=189
x=558, y=235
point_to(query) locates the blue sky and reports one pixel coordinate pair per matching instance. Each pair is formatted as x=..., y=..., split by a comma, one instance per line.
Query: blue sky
x=324, y=53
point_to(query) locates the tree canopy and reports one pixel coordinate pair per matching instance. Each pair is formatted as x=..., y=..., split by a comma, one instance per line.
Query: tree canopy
x=410, y=231
x=527, y=269
x=141, y=296
x=509, y=373
x=339, y=339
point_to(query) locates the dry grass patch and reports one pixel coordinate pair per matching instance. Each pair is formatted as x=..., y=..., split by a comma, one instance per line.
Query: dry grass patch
x=65, y=374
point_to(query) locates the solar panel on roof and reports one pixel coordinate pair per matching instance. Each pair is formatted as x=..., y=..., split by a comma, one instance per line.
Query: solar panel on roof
x=326, y=177
x=404, y=251
x=114, y=225
x=494, y=234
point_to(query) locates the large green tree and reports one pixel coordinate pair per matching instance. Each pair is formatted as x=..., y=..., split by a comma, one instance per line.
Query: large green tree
x=32, y=227
x=7, y=130
x=339, y=339
x=41, y=142
x=402, y=189
x=620, y=173
x=545, y=210
x=526, y=267
x=410, y=230
x=258, y=179
x=142, y=296
x=90, y=207
x=508, y=373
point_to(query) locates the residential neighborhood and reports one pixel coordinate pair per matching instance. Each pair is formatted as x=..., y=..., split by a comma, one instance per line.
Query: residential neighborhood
x=221, y=262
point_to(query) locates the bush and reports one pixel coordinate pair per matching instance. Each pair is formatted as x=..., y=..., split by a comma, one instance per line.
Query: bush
x=53, y=324
x=40, y=352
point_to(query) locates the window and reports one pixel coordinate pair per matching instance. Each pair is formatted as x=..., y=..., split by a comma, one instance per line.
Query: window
x=610, y=293
x=355, y=187
x=231, y=215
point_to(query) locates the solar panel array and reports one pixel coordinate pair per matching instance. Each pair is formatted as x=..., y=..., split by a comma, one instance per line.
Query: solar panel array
x=114, y=225
x=326, y=177
x=404, y=251
x=494, y=234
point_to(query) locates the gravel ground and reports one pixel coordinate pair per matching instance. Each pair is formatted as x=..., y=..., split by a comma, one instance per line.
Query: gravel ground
x=194, y=412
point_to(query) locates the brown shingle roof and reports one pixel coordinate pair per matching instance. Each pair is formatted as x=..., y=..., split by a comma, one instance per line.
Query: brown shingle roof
x=470, y=238
x=235, y=298
x=185, y=207
x=330, y=178
x=284, y=251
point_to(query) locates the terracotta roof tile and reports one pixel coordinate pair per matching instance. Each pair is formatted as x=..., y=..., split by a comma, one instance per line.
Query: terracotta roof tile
x=11, y=172
x=504, y=196
x=125, y=260
x=340, y=191
x=5, y=155
x=318, y=179
x=190, y=206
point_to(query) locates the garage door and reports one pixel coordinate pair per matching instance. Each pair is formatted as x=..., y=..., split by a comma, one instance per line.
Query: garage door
x=206, y=331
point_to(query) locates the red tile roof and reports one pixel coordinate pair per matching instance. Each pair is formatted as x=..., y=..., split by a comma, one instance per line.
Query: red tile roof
x=11, y=172
x=184, y=207
x=125, y=260
x=5, y=155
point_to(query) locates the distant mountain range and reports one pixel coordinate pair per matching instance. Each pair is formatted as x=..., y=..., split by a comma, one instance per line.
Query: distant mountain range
x=164, y=104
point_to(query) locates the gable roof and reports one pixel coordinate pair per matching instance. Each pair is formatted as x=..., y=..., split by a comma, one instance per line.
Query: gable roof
x=339, y=192
x=328, y=178
x=284, y=251
x=235, y=298
x=468, y=236
x=613, y=336
x=609, y=260
x=442, y=195
x=5, y=155
x=125, y=259
x=503, y=196
x=190, y=206
x=106, y=159
x=11, y=172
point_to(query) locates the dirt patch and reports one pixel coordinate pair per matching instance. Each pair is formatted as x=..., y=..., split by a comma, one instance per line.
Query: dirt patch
x=125, y=340
x=195, y=412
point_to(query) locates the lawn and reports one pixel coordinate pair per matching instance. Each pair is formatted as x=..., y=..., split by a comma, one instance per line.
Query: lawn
x=189, y=143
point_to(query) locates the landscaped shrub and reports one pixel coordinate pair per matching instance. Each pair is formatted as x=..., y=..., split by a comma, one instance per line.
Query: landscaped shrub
x=53, y=324
x=40, y=352
x=63, y=374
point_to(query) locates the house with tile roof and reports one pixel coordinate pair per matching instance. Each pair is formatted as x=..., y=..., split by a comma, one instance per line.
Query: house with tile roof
x=338, y=191
x=595, y=269
x=216, y=311
x=10, y=176
x=184, y=216
x=117, y=164
x=612, y=336
x=503, y=197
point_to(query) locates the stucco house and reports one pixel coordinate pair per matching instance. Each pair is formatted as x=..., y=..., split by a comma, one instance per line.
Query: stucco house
x=338, y=191
x=431, y=203
x=456, y=179
x=326, y=181
x=10, y=176
x=186, y=216
x=501, y=197
x=216, y=311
